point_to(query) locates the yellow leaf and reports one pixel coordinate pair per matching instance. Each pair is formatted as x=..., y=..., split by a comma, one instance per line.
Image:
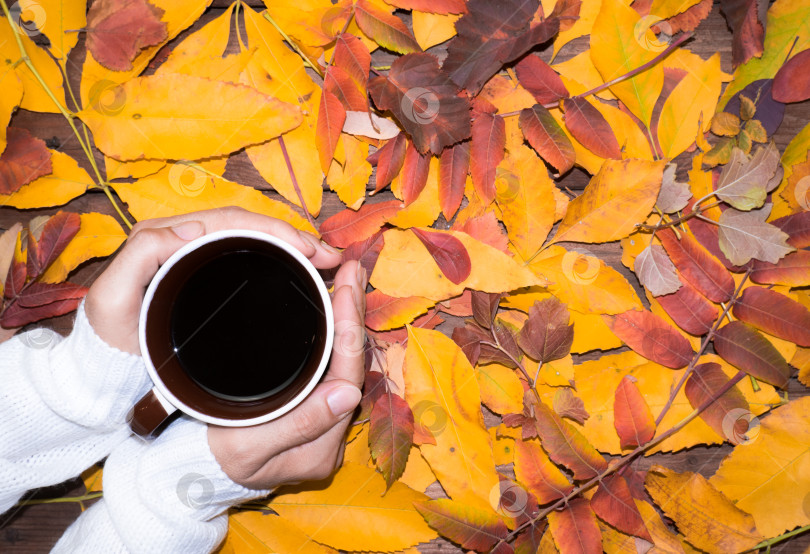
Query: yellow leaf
x=159, y=114
x=438, y=374
x=349, y=180
x=787, y=30
x=585, y=283
x=707, y=518
x=92, y=479
x=690, y=63
x=431, y=29
x=500, y=387
x=423, y=211
x=580, y=68
x=405, y=255
x=254, y=532
x=786, y=199
x=312, y=24
x=664, y=9
x=207, y=43
x=276, y=71
x=97, y=80
x=693, y=99
x=64, y=183
x=357, y=450
x=12, y=88
x=99, y=235
x=621, y=41
x=591, y=333
x=556, y=373
x=525, y=197
x=768, y=477
x=417, y=474
x=582, y=26
x=59, y=20
x=700, y=183
x=352, y=511
x=503, y=448
x=116, y=169
x=163, y=195
x=626, y=187
x=34, y=98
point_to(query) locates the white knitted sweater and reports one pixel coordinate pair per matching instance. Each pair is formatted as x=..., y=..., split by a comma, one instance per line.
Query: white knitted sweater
x=63, y=403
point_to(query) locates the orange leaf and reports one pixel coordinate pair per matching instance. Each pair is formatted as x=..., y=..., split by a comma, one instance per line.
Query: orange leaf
x=24, y=159
x=453, y=167
x=387, y=312
x=117, y=30
x=774, y=313
x=415, y=172
x=431, y=6
x=385, y=29
x=339, y=83
x=348, y=226
x=58, y=231
x=652, y=337
x=726, y=415
x=488, y=142
x=702, y=270
x=389, y=160
x=547, y=137
x=797, y=226
x=472, y=528
x=331, y=116
x=538, y=78
x=590, y=128
x=40, y=294
x=689, y=309
x=449, y=254
x=353, y=57
x=566, y=404
x=793, y=270
x=743, y=347
x=390, y=435
x=546, y=335
x=365, y=251
x=632, y=417
x=575, y=529
x=614, y=504
x=538, y=474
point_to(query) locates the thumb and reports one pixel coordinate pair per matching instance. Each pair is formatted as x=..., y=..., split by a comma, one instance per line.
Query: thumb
x=328, y=404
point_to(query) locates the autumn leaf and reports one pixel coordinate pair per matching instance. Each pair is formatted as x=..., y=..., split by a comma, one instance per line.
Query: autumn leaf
x=538, y=474
x=743, y=181
x=742, y=346
x=575, y=529
x=425, y=102
x=590, y=127
x=25, y=159
x=117, y=30
x=57, y=232
x=454, y=165
x=390, y=435
x=743, y=18
x=652, y=337
x=792, y=270
x=566, y=404
x=472, y=528
x=386, y=312
x=546, y=137
x=697, y=266
x=348, y=226
x=690, y=310
x=656, y=271
x=791, y=82
x=746, y=235
x=774, y=313
x=331, y=116
x=726, y=414
x=414, y=175
x=546, y=335
x=704, y=515
x=388, y=30
x=613, y=503
x=540, y=80
x=632, y=417
x=448, y=252
x=486, y=152
x=390, y=159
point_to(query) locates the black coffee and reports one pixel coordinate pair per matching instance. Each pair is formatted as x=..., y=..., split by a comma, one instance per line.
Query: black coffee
x=244, y=324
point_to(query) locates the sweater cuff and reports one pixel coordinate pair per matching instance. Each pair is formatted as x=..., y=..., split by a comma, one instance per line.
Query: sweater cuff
x=89, y=382
x=182, y=493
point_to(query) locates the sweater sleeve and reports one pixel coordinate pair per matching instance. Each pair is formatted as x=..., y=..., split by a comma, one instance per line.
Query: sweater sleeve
x=169, y=495
x=63, y=404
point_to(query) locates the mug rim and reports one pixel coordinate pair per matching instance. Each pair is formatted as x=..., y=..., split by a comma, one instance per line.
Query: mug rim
x=195, y=244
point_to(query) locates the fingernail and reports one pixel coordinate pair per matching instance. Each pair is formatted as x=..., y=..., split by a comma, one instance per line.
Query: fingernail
x=188, y=230
x=343, y=400
x=329, y=248
x=362, y=277
x=310, y=239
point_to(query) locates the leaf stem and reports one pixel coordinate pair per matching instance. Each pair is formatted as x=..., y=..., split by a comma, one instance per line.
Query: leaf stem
x=64, y=499
x=292, y=44
x=770, y=542
x=697, y=211
x=294, y=180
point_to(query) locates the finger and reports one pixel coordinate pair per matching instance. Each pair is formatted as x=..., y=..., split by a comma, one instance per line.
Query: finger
x=243, y=452
x=349, y=345
x=320, y=254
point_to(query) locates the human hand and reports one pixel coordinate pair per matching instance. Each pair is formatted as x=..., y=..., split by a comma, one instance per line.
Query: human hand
x=307, y=443
x=113, y=303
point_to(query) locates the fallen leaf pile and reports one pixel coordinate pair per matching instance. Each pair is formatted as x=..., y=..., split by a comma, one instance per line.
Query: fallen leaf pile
x=508, y=367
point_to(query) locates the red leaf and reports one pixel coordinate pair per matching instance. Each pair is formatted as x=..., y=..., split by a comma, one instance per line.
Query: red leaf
x=632, y=417
x=547, y=137
x=453, y=167
x=506, y=336
x=349, y=226
x=792, y=81
x=57, y=233
x=425, y=102
x=492, y=34
x=390, y=435
x=331, y=117
x=535, y=471
x=793, y=270
x=697, y=266
x=16, y=315
x=385, y=29
x=690, y=310
x=472, y=528
x=546, y=335
x=460, y=306
x=689, y=20
x=365, y=251
x=487, y=229
x=15, y=281
x=538, y=78
x=652, y=337
x=590, y=128
x=749, y=34
x=340, y=84
x=743, y=347
x=39, y=294
x=431, y=6
x=774, y=313
x=488, y=142
x=529, y=540
x=564, y=444
x=566, y=404
x=722, y=415
x=484, y=307
x=117, y=30
x=469, y=338
x=374, y=386
x=614, y=504
x=352, y=56
x=415, y=172
x=448, y=252
x=567, y=11
x=24, y=159
x=390, y=159
x=32, y=258
x=575, y=529
x=385, y=312
x=797, y=226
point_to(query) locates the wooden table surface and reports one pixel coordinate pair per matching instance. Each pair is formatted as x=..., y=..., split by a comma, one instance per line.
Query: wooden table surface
x=36, y=528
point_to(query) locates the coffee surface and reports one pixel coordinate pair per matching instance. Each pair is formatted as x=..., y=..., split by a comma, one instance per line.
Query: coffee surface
x=244, y=324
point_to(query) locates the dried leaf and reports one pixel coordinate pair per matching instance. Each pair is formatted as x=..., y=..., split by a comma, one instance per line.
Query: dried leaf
x=749, y=34
x=547, y=137
x=674, y=195
x=501, y=390
x=690, y=310
x=370, y=125
x=484, y=307
x=723, y=414
x=386, y=29
x=454, y=165
x=488, y=142
x=746, y=235
x=472, y=528
x=793, y=270
x=742, y=346
x=353, y=57
x=726, y=124
x=390, y=159
x=570, y=406
x=390, y=435
x=575, y=529
x=16, y=315
x=386, y=312
x=538, y=78
x=40, y=294
x=538, y=474
x=697, y=266
x=331, y=117
x=632, y=417
x=653, y=338
x=117, y=30
x=25, y=159
x=547, y=336
x=791, y=83
x=366, y=251
x=742, y=182
x=590, y=127
x=449, y=254
x=349, y=226
x=656, y=271
x=775, y=314
x=613, y=503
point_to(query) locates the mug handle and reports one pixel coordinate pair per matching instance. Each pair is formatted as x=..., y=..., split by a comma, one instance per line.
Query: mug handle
x=148, y=414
